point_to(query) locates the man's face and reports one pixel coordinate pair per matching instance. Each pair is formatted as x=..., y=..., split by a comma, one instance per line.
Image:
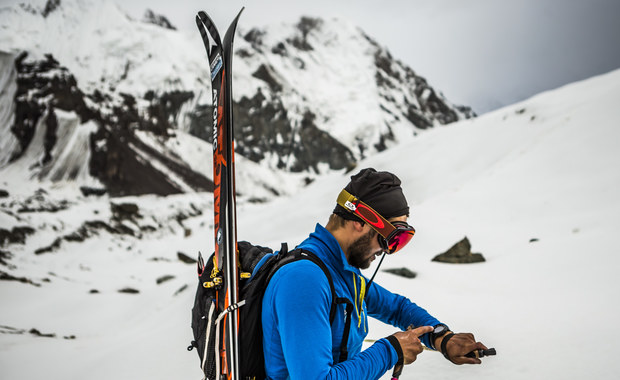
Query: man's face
x=364, y=250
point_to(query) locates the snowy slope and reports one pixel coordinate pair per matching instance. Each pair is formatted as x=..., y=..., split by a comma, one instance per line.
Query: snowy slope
x=545, y=168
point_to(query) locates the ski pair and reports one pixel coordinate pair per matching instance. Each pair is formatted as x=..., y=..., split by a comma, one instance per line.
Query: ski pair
x=226, y=274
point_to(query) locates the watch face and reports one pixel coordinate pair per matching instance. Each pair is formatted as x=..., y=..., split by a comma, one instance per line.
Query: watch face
x=440, y=329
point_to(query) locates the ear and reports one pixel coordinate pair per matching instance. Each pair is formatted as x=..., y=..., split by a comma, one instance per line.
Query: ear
x=357, y=225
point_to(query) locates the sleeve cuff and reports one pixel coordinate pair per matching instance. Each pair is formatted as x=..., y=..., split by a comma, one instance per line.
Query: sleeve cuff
x=399, y=351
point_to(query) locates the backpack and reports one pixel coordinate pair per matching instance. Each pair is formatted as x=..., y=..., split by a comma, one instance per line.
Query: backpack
x=257, y=267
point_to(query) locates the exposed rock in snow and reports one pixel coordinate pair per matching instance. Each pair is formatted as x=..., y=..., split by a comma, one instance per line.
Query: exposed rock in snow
x=157, y=19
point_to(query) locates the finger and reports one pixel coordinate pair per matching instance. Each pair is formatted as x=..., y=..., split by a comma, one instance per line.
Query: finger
x=465, y=340
x=466, y=360
x=472, y=347
x=467, y=348
x=471, y=361
x=418, y=331
x=419, y=346
x=413, y=354
x=481, y=346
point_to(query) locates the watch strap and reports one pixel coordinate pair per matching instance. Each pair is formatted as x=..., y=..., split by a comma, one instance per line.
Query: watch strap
x=444, y=344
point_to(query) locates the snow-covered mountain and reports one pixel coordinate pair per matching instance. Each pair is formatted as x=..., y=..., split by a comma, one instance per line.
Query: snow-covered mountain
x=108, y=102
x=98, y=288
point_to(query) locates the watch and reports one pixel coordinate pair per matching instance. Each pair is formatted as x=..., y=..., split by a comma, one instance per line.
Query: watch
x=438, y=331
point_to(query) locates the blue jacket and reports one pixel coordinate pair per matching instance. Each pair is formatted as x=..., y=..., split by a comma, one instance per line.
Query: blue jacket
x=298, y=340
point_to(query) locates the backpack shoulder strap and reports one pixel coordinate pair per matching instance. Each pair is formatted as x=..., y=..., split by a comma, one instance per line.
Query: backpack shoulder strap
x=304, y=254
x=301, y=254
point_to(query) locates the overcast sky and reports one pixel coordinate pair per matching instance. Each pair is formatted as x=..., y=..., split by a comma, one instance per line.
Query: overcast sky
x=481, y=53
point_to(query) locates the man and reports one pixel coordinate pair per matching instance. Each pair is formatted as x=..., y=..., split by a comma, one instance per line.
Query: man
x=298, y=339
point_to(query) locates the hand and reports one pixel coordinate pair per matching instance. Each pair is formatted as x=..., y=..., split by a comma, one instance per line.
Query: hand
x=460, y=345
x=410, y=342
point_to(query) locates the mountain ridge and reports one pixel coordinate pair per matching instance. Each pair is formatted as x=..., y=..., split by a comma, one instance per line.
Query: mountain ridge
x=310, y=98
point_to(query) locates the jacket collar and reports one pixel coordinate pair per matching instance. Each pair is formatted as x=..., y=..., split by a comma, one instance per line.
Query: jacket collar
x=323, y=244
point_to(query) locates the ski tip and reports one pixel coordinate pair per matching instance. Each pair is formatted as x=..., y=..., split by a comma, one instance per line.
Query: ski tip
x=239, y=14
x=233, y=27
x=200, y=264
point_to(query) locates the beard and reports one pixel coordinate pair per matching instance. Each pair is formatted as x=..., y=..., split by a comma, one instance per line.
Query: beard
x=360, y=255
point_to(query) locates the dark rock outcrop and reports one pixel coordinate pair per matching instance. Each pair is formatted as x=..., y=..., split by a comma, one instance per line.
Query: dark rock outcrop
x=402, y=272
x=266, y=129
x=304, y=27
x=9, y=277
x=5, y=256
x=96, y=191
x=460, y=253
x=162, y=279
x=16, y=235
x=185, y=258
x=37, y=81
x=119, y=159
x=122, y=211
x=129, y=290
x=50, y=6
x=157, y=19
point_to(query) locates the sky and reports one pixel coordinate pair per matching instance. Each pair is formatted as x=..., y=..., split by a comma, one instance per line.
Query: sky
x=481, y=53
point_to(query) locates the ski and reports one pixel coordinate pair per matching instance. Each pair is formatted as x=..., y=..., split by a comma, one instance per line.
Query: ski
x=219, y=55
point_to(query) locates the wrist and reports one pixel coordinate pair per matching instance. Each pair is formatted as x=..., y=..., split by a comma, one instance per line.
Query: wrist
x=439, y=331
x=438, y=340
x=398, y=367
x=444, y=344
x=397, y=347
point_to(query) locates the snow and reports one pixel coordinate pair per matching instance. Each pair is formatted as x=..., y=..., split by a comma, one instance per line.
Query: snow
x=96, y=45
x=335, y=80
x=341, y=71
x=7, y=108
x=70, y=156
x=544, y=169
x=72, y=150
x=253, y=180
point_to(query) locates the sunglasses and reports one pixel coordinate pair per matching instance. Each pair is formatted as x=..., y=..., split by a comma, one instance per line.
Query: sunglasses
x=392, y=236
